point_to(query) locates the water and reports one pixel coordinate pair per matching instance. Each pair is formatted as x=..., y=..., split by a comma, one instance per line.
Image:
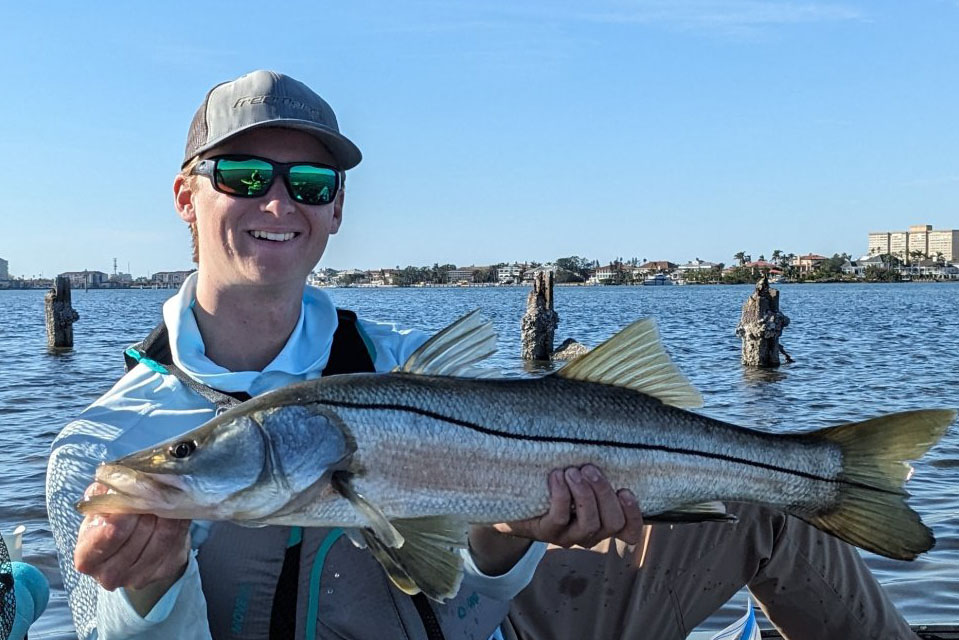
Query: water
x=860, y=350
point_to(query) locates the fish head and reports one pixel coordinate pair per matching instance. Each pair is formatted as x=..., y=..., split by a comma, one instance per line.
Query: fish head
x=242, y=465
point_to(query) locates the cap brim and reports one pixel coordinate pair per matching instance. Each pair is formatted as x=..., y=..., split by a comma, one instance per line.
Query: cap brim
x=346, y=154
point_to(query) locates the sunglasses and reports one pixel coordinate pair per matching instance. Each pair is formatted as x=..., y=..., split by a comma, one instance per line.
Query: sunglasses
x=252, y=177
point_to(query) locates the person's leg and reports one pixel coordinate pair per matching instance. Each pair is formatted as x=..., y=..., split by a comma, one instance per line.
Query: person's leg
x=810, y=584
x=811, y=580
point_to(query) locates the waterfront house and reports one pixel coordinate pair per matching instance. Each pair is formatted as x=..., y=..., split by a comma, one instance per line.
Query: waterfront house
x=808, y=263
x=530, y=274
x=85, y=279
x=385, y=278
x=697, y=265
x=510, y=273
x=463, y=275
x=351, y=277
x=610, y=274
x=170, y=279
x=658, y=266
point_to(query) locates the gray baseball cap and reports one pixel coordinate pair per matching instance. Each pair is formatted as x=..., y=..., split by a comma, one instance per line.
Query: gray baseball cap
x=267, y=99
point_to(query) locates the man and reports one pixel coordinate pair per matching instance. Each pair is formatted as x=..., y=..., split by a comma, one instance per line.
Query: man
x=261, y=187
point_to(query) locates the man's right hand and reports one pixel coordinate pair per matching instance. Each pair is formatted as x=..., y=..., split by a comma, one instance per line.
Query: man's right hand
x=142, y=553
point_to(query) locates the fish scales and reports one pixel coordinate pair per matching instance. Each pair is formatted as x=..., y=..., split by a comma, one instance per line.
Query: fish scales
x=492, y=457
x=406, y=460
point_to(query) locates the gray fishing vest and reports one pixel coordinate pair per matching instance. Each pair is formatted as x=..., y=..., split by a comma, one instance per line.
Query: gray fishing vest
x=311, y=583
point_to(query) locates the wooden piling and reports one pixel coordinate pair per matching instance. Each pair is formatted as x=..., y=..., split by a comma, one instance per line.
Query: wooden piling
x=761, y=326
x=60, y=315
x=540, y=322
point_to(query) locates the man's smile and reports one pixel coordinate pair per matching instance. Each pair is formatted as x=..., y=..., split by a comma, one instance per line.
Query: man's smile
x=273, y=236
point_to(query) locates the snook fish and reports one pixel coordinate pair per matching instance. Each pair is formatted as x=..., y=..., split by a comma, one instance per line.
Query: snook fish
x=406, y=460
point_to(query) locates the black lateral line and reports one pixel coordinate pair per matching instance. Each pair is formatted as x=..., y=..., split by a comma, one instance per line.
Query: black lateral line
x=599, y=443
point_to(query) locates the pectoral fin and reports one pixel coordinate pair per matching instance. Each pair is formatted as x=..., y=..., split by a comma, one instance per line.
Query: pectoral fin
x=382, y=528
x=705, y=512
x=429, y=560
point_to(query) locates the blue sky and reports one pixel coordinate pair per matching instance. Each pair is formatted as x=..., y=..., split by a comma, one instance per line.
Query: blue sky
x=498, y=130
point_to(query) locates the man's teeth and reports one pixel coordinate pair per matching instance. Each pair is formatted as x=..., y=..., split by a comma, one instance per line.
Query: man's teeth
x=276, y=237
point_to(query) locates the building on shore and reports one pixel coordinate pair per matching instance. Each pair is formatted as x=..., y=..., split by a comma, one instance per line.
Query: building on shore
x=697, y=265
x=171, y=279
x=530, y=274
x=86, y=279
x=385, y=278
x=465, y=274
x=919, y=242
x=510, y=273
x=808, y=263
x=4, y=269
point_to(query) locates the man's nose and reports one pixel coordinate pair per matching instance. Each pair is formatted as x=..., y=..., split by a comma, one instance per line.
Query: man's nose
x=277, y=199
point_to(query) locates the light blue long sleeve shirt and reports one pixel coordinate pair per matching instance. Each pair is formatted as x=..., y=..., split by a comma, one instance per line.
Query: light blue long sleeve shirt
x=146, y=407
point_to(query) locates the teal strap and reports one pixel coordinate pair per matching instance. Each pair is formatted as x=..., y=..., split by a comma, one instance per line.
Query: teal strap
x=296, y=537
x=153, y=365
x=315, y=574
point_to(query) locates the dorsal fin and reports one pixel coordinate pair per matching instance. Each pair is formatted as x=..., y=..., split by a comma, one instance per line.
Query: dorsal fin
x=634, y=358
x=454, y=350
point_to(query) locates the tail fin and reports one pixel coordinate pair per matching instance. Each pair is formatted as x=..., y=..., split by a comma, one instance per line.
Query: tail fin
x=871, y=511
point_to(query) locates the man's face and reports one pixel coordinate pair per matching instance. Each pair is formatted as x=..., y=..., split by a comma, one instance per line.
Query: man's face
x=228, y=250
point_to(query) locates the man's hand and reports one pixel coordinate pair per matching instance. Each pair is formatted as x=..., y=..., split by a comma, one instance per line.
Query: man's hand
x=583, y=510
x=142, y=553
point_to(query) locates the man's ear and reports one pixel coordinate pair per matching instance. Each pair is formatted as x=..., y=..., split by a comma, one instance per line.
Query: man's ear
x=337, y=212
x=183, y=198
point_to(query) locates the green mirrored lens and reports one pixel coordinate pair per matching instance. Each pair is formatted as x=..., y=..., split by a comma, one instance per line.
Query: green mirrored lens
x=312, y=185
x=248, y=178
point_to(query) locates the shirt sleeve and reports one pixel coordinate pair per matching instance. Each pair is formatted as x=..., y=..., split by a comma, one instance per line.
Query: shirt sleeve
x=180, y=613
x=389, y=345
x=98, y=613
x=506, y=586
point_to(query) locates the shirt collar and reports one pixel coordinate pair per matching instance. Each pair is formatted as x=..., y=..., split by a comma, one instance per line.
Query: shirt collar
x=303, y=357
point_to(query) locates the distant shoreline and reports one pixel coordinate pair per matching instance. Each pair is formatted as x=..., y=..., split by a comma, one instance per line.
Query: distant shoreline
x=484, y=285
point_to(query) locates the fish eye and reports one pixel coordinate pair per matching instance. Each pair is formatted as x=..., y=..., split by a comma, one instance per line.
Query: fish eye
x=182, y=449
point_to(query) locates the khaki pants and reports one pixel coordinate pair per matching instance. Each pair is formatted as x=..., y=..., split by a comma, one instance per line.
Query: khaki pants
x=809, y=584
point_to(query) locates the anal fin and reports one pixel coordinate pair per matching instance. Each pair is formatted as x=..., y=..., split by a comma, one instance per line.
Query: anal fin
x=704, y=512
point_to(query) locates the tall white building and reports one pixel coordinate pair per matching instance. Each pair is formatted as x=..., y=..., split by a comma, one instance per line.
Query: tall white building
x=920, y=237
x=4, y=266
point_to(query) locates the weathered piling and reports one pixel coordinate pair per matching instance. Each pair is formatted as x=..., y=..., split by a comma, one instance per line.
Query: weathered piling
x=760, y=327
x=569, y=350
x=60, y=315
x=540, y=322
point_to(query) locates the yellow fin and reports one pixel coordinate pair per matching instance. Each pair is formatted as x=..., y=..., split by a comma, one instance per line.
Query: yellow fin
x=634, y=358
x=383, y=528
x=455, y=350
x=429, y=560
x=871, y=510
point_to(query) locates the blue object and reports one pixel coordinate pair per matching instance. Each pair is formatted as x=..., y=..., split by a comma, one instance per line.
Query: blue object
x=32, y=591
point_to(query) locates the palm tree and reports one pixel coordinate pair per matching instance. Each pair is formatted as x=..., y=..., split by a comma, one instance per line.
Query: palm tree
x=741, y=256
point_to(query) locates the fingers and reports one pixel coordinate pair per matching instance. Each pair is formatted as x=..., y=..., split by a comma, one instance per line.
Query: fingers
x=611, y=514
x=632, y=531
x=550, y=526
x=114, y=571
x=583, y=510
x=128, y=550
x=164, y=555
x=587, y=523
x=598, y=512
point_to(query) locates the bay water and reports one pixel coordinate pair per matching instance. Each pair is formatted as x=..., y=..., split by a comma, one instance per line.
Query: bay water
x=860, y=350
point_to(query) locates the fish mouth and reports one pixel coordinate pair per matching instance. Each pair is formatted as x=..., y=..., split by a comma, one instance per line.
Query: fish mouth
x=132, y=491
